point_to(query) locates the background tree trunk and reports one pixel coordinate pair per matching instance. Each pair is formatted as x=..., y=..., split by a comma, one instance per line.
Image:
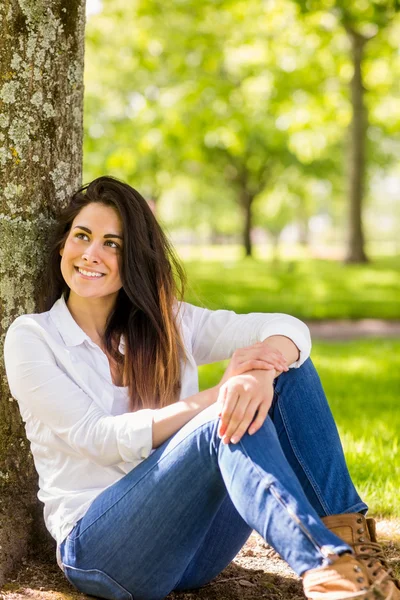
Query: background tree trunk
x=41, y=107
x=355, y=250
x=246, y=200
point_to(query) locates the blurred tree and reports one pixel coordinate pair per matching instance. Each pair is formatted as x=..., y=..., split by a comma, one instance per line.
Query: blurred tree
x=230, y=93
x=209, y=96
x=41, y=109
x=362, y=22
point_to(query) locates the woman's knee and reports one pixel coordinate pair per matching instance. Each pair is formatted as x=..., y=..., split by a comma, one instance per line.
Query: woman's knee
x=306, y=374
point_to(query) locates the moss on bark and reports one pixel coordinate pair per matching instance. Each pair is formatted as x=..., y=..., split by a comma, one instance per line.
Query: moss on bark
x=41, y=107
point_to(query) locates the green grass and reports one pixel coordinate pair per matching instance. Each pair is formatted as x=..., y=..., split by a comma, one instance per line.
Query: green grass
x=304, y=287
x=361, y=378
x=362, y=383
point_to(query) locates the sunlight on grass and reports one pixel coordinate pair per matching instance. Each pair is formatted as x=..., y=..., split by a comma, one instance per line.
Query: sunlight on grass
x=362, y=382
x=304, y=287
x=361, y=378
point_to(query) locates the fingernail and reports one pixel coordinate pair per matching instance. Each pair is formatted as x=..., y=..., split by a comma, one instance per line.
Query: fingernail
x=234, y=440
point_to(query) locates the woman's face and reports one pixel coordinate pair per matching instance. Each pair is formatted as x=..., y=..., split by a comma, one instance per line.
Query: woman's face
x=92, y=252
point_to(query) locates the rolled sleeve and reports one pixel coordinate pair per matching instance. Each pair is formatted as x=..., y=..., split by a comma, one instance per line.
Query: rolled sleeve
x=215, y=335
x=136, y=435
x=295, y=330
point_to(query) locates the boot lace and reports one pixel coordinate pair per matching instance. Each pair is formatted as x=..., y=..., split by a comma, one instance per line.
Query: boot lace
x=372, y=553
x=376, y=589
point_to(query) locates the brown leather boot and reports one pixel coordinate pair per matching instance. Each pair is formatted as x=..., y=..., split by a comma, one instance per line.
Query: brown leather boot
x=360, y=533
x=345, y=578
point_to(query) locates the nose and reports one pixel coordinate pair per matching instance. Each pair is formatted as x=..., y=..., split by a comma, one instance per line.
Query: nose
x=87, y=259
x=90, y=255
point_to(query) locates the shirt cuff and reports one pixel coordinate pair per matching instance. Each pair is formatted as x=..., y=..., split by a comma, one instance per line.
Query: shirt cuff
x=135, y=439
x=302, y=339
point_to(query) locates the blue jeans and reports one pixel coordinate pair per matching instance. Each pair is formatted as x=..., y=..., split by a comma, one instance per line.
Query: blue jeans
x=180, y=517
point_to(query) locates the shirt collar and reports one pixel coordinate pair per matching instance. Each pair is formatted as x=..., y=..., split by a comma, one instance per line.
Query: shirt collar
x=69, y=329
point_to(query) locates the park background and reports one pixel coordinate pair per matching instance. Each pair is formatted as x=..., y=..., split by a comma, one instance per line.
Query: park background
x=265, y=136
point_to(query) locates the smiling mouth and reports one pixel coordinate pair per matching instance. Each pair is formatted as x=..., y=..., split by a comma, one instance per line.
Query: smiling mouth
x=89, y=274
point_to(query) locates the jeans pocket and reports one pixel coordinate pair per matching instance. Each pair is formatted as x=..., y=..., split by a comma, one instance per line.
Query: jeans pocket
x=96, y=583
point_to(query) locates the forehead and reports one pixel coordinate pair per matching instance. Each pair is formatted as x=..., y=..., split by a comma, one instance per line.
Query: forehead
x=96, y=216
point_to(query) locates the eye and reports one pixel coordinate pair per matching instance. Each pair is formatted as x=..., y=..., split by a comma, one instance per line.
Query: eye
x=115, y=245
x=81, y=235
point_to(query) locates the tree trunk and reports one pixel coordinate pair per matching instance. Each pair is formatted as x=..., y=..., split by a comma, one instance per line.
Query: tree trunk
x=275, y=247
x=358, y=130
x=41, y=106
x=304, y=232
x=246, y=200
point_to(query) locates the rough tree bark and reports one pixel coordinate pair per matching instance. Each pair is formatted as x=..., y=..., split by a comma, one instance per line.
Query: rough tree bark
x=41, y=106
x=356, y=243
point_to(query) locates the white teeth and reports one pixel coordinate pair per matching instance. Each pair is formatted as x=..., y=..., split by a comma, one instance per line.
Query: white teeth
x=89, y=274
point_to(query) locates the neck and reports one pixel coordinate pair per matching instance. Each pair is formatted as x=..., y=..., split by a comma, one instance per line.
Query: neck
x=91, y=314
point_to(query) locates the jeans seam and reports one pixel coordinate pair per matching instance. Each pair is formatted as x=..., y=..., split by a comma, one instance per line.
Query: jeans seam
x=274, y=492
x=139, y=480
x=106, y=575
x=307, y=473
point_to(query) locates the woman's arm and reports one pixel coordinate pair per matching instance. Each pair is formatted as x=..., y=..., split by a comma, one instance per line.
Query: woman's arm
x=215, y=335
x=48, y=395
x=285, y=345
x=169, y=419
x=45, y=392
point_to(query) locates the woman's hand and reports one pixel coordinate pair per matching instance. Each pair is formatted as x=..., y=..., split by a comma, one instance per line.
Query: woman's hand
x=240, y=398
x=257, y=356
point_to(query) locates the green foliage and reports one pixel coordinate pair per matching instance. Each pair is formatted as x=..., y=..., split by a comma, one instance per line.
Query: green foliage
x=186, y=100
x=365, y=17
x=378, y=22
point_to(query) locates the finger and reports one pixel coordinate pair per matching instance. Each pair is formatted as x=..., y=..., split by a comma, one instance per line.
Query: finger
x=266, y=363
x=252, y=365
x=270, y=354
x=221, y=399
x=237, y=417
x=246, y=420
x=270, y=348
x=279, y=364
x=230, y=401
x=262, y=354
x=277, y=358
x=260, y=418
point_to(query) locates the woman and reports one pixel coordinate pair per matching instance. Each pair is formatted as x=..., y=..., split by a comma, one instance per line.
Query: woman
x=148, y=484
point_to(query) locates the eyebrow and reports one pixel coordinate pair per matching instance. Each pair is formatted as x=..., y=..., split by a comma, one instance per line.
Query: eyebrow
x=107, y=235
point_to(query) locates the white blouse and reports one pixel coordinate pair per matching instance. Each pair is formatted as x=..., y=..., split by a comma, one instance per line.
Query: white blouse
x=83, y=439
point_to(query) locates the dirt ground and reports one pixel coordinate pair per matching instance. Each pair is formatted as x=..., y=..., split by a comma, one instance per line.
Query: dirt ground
x=255, y=573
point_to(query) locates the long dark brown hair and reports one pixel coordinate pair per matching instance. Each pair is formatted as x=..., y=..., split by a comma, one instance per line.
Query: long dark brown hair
x=153, y=282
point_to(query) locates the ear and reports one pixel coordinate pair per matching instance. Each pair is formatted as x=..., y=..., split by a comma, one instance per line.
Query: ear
x=61, y=251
